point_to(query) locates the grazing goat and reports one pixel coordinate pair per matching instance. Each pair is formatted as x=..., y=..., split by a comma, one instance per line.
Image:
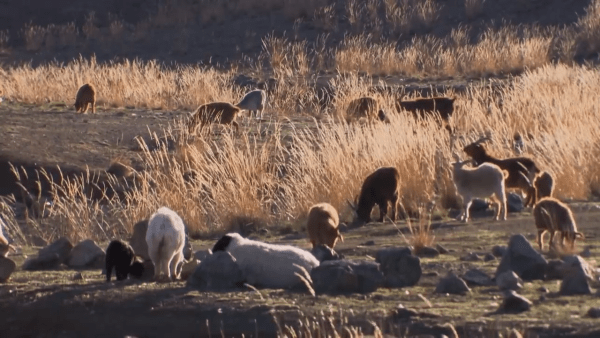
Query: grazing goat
x=166, y=238
x=254, y=102
x=552, y=215
x=544, y=185
x=364, y=107
x=120, y=255
x=214, y=112
x=4, y=246
x=483, y=181
x=380, y=187
x=267, y=265
x=443, y=106
x=86, y=96
x=521, y=170
x=322, y=225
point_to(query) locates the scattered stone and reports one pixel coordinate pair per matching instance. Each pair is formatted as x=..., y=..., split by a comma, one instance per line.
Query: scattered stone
x=345, y=276
x=431, y=274
x=509, y=280
x=543, y=289
x=38, y=241
x=188, y=268
x=476, y=277
x=577, y=273
x=427, y=251
x=499, y=250
x=586, y=253
x=61, y=247
x=523, y=259
x=217, y=272
x=86, y=254
x=489, y=257
x=7, y=267
x=554, y=270
x=78, y=276
x=138, y=239
x=471, y=257
x=202, y=254
x=594, y=312
x=514, y=202
x=399, y=267
x=479, y=205
x=369, y=243
x=402, y=312
x=441, y=249
x=324, y=253
x=542, y=297
x=452, y=284
x=514, y=303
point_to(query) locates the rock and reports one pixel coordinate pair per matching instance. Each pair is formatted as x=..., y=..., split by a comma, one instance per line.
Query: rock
x=441, y=249
x=509, y=280
x=477, y=277
x=452, y=284
x=523, y=259
x=514, y=303
x=7, y=267
x=138, y=239
x=427, y=251
x=345, y=276
x=369, y=243
x=543, y=289
x=577, y=273
x=202, y=254
x=471, y=257
x=61, y=247
x=148, y=273
x=217, y=272
x=399, y=267
x=479, y=205
x=499, y=250
x=489, y=257
x=554, y=270
x=586, y=253
x=514, y=202
x=78, y=276
x=38, y=241
x=188, y=268
x=324, y=253
x=594, y=312
x=402, y=312
x=85, y=254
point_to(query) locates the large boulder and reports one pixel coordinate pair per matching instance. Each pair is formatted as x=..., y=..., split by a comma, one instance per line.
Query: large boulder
x=7, y=267
x=577, y=275
x=514, y=202
x=400, y=268
x=514, y=303
x=87, y=254
x=345, y=276
x=50, y=257
x=452, y=284
x=217, y=272
x=509, y=280
x=523, y=259
x=324, y=253
x=476, y=277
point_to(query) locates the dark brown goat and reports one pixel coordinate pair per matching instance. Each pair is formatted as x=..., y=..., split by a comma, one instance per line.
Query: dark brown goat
x=521, y=170
x=423, y=107
x=380, y=187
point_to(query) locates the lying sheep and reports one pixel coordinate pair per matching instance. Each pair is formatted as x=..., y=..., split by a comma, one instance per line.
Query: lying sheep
x=552, y=215
x=521, y=170
x=86, y=96
x=267, y=265
x=544, y=185
x=483, y=181
x=322, y=225
x=121, y=257
x=380, y=187
x=443, y=106
x=166, y=238
x=254, y=102
x=364, y=107
x=214, y=112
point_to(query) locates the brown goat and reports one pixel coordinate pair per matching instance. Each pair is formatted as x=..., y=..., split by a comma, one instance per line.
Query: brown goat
x=443, y=106
x=214, y=112
x=364, y=107
x=521, y=170
x=86, y=96
x=322, y=225
x=552, y=215
x=380, y=187
x=544, y=185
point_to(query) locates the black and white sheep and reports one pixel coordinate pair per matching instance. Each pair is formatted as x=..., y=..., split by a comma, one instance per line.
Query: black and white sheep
x=121, y=257
x=264, y=264
x=166, y=239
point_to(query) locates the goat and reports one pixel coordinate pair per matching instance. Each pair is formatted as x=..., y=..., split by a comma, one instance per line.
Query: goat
x=544, y=185
x=365, y=107
x=483, y=181
x=121, y=256
x=521, y=170
x=380, y=187
x=214, y=112
x=443, y=106
x=552, y=215
x=4, y=246
x=254, y=102
x=264, y=264
x=166, y=239
x=322, y=225
x=86, y=96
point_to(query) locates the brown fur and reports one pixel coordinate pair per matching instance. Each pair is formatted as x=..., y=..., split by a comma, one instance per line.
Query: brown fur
x=214, y=112
x=444, y=106
x=552, y=215
x=380, y=187
x=86, y=95
x=322, y=225
x=364, y=107
x=119, y=169
x=544, y=185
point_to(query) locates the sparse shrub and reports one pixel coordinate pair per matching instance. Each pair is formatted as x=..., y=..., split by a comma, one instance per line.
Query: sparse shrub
x=90, y=27
x=473, y=8
x=34, y=37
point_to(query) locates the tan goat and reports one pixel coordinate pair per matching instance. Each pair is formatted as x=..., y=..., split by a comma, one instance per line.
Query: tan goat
x=544, y=185
x=86, y=96
x=552, y=215
x=214, y=112
x=322, y=225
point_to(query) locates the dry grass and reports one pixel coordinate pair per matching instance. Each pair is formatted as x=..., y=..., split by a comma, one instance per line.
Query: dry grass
x=323, y=326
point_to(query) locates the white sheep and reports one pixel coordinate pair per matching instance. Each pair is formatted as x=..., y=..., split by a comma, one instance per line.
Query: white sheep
x=166, y=238
x=254, y=102
x=267, y=265
x=483, y=181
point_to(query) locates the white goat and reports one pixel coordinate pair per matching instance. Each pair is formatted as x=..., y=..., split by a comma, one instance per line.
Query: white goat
x=483, y=181
x=4, y=246
x=267, y=265
x=254, y=101
x=166, y=238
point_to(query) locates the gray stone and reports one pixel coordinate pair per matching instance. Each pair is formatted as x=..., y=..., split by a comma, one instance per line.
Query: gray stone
x=441, y=249
x=489, y=257
x=369, y=243
x=479, y=205
x=471, y=257
x=523, y=259
x=586, y=253
x=509, y=280
x=594, y=312
x=452, y=284
x=85, y=254
x=514, y=303
x=138, y=239
x=499, y=250
x=514, y=202
x=7, y=267
x=78, y=276
x=344, y=276
x=427, y=251
x=47, y=262
x=61, y=247
x=38, y=241
x=217, y=272
x=399, y=267
x=202, y=254
x=577, y=274
x=477, y=277
x=324, y=253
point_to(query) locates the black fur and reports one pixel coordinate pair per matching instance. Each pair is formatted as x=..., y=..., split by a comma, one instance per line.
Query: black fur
x=222, y=244
x=120, y=255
